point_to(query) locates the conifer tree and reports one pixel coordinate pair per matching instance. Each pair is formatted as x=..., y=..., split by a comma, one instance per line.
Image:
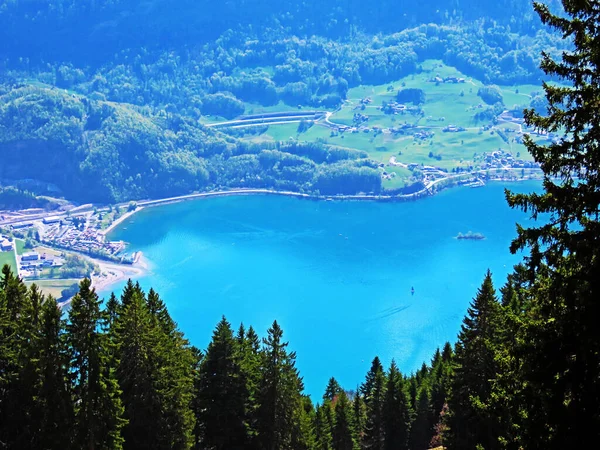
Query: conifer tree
x=98, y=408
x=176, y=363
x=324, y=426
x=249, y=355
x=359, y=417
x=138, y=373
x=562, y=403
x=373, y=390
x=279, y=398
x=222, y=394
x=396, y=411
x=112, y=309
x=332, y=390
x=303, y=435
x=196, y=405
x=54, y=397
x=18, y=405
x=421, y=430
x=475, y=369
x=343, y=429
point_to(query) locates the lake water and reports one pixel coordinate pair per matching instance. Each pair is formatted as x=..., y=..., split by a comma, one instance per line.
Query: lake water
x=337, y=276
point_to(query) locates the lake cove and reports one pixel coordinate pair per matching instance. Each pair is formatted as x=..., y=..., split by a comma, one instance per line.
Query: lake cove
x=337, y=276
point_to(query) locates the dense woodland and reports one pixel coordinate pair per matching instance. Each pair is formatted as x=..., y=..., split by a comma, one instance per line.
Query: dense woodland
x=103, y=99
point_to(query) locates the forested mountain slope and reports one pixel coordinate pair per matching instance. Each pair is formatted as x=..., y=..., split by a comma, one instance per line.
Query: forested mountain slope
x=107, y=97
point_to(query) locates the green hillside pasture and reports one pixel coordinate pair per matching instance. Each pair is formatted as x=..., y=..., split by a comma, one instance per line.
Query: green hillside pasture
x=402, y=175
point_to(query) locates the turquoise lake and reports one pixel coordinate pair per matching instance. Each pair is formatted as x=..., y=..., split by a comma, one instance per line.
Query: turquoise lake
x=337, y=276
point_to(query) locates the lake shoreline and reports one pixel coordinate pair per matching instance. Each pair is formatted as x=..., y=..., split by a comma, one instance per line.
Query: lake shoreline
x=114, y=273
x=425, y=192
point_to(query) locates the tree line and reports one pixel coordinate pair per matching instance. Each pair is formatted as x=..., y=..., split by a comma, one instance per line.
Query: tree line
x=122, y=375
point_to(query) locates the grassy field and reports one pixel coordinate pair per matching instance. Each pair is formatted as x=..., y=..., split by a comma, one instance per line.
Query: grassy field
x=8, y=258
x=53, y=287
x=445, y=104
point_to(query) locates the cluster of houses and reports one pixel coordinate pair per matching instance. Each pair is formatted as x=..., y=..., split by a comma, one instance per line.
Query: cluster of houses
x=395, y=108
x=359, y=118
x=452, y=129
x=78, y=237
x=500, y=159
x=423, y=135
x=455, y=80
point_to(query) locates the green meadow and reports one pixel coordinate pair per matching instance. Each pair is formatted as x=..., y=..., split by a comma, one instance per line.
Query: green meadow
x=445, y=104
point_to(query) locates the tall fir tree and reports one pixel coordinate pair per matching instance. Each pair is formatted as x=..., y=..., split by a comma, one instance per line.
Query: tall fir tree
x=332, y=390
x=96, y=394
x=138, y=373
x=562, y=397
x=280, y=393
x=324, y=426
x=470, y=424
x=421, y=429
x=18, y=404
x=54, y=395
x=343, y=428
x=222, y=394
x=176, y=363
x=396, y=411
x=303, y=435
x=373, y=391
x=360, y=416
x=250, y=358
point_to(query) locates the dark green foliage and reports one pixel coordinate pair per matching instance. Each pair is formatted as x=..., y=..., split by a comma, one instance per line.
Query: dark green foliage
x=279, y=396
x=222, y=104
x=469, y=421
x=55, y=406
x=396, y=411
x=138, y=373
x=324, y=423
x=222, y=394
x=421, y=430
x=96, y=394
x=556, y=342
x=359, y=416
x=490, y=94
x=411, y=95
x=13, y=198
x=373, y=391
x=332, y=390
x=20, y=353
x=343, y=429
